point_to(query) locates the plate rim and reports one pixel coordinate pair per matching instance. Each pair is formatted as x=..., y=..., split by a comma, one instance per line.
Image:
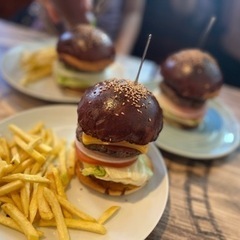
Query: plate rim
x=211, y=156
x=154, y=150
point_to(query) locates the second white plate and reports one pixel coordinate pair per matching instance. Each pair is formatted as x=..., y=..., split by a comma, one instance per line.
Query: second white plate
x=47, y=89
x=217, y=136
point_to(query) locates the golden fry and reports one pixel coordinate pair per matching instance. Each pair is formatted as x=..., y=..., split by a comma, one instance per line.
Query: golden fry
x=36, y=74
x=74, y=210
x=63, y=165
x=5, y=199
x=107, y=214
x=43, y=206
x=25, y=195
x=10, y=187
x=60, y=189
x=17, y=200
x=37, y=128
x=4, y=150
x=28, y=138
x=21, y=220
x=23, y=165
x=79, y=224
x=33, y=207
x=71, y=160
x=32, y=152
x=8, y=222
x=25, y=177
x=57, y=212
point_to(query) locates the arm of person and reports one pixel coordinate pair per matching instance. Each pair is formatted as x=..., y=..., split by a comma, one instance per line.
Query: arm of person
x=132, y=18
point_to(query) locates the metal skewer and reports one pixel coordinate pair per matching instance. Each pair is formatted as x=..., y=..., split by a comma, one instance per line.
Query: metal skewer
x=143, y=58
x=206, y=32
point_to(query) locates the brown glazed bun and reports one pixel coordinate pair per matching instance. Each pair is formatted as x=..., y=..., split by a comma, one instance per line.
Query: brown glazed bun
x=116, y=120
x=190, y=78
x=119, y=110
x=192, y=74
x=86, y=48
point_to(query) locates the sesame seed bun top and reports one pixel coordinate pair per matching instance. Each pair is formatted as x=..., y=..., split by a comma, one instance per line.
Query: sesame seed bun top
x=119, y=110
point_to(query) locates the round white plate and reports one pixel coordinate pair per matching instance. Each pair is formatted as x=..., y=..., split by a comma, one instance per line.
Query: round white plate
x=140, y=211
x=47, y=89
x=217, y=136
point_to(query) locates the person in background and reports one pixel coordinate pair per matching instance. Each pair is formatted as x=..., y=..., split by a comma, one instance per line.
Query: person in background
x=179, y=24
x=120, y=19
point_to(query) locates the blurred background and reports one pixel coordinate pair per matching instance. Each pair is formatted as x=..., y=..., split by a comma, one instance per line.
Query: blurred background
x=174, y=25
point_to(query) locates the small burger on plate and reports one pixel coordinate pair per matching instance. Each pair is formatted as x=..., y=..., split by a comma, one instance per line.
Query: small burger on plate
x=117, y=119
x=84, y=55
x=190, y=78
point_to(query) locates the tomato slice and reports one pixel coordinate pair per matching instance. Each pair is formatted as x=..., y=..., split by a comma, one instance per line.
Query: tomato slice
x=114, y=163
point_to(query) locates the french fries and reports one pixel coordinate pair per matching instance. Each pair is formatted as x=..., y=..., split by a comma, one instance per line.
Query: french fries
x=37, y=64
x=21, y=220
x=58, y=215
x=36, y=167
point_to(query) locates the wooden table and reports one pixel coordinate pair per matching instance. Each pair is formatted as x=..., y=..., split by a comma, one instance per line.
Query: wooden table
x=204, y=196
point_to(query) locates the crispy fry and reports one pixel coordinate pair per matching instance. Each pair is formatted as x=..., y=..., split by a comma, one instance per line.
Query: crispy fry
x=74, y=210
x=25, y=195
x=77, y=224
x=37, y=128
x=10, y=187
x=32, y=152
x=43, y=206
x=71, y=159
x=23, y=165
x=21, y=220
x=36, y=74
x=5, y=199
x=17, y=200
x=107, y=214
x=60, y=189
x=8, y=222
x=33, y=207
x=24, y=177
x=58, y=181
x=28, y=138
x=57, y=212
x=63, y=165
x=4, y=150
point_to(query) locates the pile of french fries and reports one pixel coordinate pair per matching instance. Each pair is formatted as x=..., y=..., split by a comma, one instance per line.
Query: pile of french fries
x=36, y=166
x=37, y=64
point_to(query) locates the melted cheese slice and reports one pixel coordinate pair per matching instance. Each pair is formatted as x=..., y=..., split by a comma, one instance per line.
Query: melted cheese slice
x=87, y=140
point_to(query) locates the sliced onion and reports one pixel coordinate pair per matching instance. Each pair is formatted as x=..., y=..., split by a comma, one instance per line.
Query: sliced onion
x=102, y=157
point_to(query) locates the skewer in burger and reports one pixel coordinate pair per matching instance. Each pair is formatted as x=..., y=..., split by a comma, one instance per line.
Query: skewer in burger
x=84, y=55
x=190, y=78
x=117, y=119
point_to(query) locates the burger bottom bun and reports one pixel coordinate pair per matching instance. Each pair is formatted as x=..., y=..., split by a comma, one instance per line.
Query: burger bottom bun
x=107, y=187
x=76, y=80
x=88, y=66
x=184, y=117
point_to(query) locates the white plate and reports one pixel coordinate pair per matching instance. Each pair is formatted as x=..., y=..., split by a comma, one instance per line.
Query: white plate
x=47, y=89
x=217, y=136
x=140, y=211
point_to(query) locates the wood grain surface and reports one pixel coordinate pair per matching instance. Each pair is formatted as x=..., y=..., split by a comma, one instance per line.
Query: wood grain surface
x=204, y=196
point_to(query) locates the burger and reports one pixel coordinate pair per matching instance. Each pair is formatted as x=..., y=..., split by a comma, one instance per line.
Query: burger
x=117, y=119
x=83, y=56
x=190, y=78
